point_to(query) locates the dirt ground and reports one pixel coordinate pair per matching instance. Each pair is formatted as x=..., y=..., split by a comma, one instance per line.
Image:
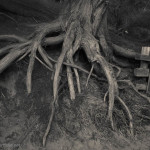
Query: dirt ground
x=78, y=125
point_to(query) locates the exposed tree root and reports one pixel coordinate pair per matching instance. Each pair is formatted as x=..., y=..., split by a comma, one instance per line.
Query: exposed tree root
x=43, y=64
x=118, y=68
x=128, y=113
x=44, y=56
x=49, y=123
x=129, y=83
x=129, y=53
x=123, y=63
x=76, y=32
x=77, y=79
x=12, y=37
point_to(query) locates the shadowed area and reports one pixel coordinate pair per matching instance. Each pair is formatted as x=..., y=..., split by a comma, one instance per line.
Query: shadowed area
x=32, y=8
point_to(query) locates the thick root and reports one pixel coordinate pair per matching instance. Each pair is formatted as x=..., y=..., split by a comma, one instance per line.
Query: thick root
x=128, y=53
x=10, y=57
x=66, y=47
x=91, y=48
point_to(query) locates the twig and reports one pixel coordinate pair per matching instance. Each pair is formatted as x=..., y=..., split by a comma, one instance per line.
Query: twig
x=1, y=13
x=44, y=56
x=44, y=64
x=49, y=124
x=89, y=74
x=118, y=68
x=105, y=96
x=24, y=55
x=143, y=116
x=70, y=83
x=77, y=79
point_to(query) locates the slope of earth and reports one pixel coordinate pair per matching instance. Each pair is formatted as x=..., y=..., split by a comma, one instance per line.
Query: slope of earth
x=78, y=125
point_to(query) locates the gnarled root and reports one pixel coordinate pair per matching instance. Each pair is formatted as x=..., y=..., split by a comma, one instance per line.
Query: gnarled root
x=80, y=33
x=92, y=51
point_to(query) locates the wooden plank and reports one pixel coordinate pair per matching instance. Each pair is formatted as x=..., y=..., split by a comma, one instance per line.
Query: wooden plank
x=141, y=72
x=141, y=87
x=145, y=51
x=148, y=85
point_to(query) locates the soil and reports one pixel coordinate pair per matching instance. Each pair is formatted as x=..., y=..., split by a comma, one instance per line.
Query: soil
x=78, y=125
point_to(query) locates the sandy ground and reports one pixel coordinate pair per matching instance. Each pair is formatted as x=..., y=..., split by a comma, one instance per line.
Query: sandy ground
x=23, y=117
